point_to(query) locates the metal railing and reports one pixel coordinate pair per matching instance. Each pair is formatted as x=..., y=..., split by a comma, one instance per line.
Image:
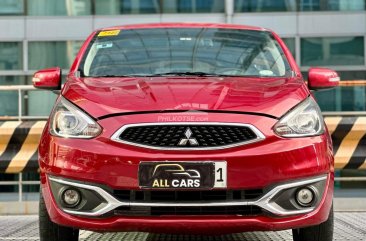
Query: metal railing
x=20, y=89
x=19, y=183
x=344, y=113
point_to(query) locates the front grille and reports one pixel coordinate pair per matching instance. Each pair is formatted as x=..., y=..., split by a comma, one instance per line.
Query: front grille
x=184, y=136
x=187, y=197
x=177, y=211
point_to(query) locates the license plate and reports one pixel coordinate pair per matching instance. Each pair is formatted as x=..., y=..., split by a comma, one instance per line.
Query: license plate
x=183, y=175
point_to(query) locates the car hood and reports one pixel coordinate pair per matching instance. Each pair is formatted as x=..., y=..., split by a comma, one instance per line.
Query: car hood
x=101, y=97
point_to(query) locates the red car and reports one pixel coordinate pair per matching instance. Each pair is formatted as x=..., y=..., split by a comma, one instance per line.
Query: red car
x=194, y=128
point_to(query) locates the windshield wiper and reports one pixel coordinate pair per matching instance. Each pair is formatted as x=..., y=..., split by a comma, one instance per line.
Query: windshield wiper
x=199, y=74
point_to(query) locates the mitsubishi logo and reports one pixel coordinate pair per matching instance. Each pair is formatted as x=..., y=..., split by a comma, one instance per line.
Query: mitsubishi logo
x=184, y=141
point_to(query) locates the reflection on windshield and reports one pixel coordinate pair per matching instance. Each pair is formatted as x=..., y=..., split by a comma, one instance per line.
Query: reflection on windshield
x=185, y=51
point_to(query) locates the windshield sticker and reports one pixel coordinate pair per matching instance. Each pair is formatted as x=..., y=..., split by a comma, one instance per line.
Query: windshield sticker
x=104, y=45
x=109, y=33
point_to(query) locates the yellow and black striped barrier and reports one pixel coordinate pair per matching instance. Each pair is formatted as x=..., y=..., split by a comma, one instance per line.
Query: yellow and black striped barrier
x=19, y=142
x=349, y=141
x=18, y=145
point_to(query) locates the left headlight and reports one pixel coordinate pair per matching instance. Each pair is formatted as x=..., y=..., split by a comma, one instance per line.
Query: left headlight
x=69, y=121
x=304, y=120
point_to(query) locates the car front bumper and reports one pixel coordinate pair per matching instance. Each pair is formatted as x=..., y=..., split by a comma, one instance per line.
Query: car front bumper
x=269, y=164
x=213, y=224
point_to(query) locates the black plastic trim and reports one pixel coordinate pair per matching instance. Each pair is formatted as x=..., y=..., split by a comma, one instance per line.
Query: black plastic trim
x=190, y=111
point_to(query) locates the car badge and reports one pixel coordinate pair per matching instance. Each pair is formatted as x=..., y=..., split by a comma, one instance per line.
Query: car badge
x=188, y=139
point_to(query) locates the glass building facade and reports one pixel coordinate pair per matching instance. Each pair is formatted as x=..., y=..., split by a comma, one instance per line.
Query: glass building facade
x=334, y=51
x=19, y=58
x=113, y=7
x=38, y=34
x=298, y=5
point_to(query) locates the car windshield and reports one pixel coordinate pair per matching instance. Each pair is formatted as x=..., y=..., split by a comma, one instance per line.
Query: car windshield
x=184, y=51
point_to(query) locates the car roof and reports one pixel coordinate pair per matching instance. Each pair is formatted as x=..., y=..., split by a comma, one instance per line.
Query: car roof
x=186, y=25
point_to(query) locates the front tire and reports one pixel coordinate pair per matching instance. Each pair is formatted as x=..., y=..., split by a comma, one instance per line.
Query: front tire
x=50, y=231
x=321, y=232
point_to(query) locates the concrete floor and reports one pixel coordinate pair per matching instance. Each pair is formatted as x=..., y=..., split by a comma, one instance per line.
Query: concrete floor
x=349, y=226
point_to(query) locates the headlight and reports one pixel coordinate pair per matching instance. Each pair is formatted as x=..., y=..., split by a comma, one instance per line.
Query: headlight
x=69, y=121
x=304, y=120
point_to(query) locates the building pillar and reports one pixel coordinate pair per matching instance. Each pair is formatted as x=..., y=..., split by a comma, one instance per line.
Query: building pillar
x=229, y=10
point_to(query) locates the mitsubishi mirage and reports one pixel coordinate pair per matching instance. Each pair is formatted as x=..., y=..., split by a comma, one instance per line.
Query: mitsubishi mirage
x=185, y=127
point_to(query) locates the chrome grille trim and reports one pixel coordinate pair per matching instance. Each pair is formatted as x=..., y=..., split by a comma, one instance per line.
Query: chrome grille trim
x=264, y=202
x=260, y=136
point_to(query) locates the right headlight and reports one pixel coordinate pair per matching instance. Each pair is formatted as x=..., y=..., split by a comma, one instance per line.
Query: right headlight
x=304, y=120
x=68, y=121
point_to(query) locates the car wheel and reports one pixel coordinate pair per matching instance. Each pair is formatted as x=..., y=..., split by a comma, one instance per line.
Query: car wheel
x=49, y=231
x=321, y=232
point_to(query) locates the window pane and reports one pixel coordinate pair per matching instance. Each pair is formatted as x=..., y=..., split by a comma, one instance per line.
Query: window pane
x=59, y=7
x=342, y=99
x=35, y=103
x=108, y=7
x=197, y=6
x=346, y=75
x=30, y=176
x=291, y=45
x=352, y=75
x=50, y=54
x=113, y=7
x=39, y=103
x=264, y=6
x=332, y=5
x=332, y=51
x=11, y=57
x=14, y=80
x=9, y=99
x=10, y=192
x=6, y=189
x=12, y=7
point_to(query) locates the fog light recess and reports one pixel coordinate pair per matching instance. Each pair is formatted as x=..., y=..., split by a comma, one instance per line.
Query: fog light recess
x=305, y=197
x=71, y=197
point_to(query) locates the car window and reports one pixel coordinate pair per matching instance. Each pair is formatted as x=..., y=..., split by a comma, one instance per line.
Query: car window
x=170, y=51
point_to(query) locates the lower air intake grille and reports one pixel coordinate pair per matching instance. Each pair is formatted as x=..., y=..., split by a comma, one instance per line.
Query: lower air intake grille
x=187, y=197
x=176, y=211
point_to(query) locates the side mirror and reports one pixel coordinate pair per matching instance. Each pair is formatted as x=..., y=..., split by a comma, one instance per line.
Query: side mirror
x=322, y=78
x=49, y=79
